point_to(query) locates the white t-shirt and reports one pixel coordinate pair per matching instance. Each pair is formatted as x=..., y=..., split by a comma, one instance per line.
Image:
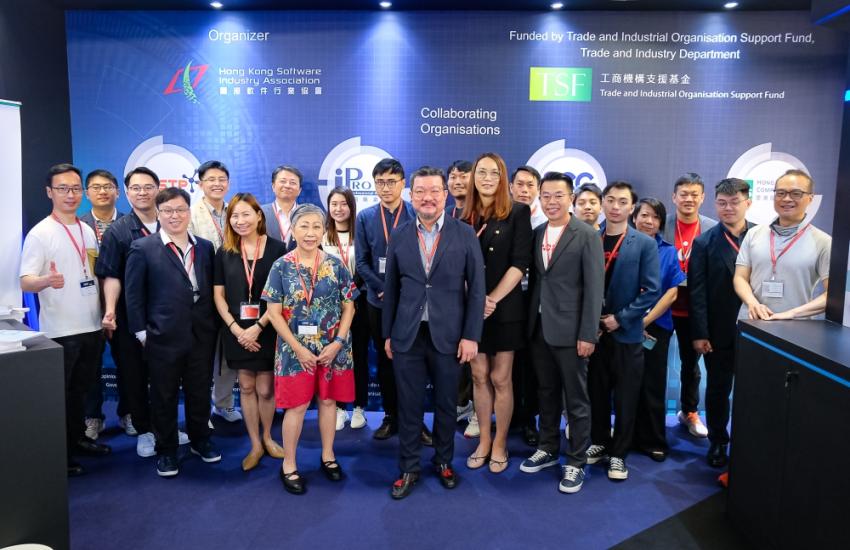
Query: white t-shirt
x=333, y=249
x=64, y=311
x=800, y=270
x=550, y=241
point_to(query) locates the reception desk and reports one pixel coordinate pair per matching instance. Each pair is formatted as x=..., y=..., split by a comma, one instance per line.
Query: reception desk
x=788, y=477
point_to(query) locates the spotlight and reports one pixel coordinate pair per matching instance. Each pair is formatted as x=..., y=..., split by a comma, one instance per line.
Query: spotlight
x=217, y=5
x=386, y=5
x=730, y=5
x=557, y=5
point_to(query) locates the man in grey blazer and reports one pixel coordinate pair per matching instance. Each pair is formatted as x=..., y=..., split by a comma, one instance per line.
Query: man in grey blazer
x=286, y=184
x=566, y=287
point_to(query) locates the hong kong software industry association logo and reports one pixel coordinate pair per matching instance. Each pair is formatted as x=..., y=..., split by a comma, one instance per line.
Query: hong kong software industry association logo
x=189, y=78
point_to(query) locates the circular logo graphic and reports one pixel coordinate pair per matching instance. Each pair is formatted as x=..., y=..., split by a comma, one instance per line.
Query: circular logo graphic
x=350, y=164
x=760, y=167
x=579, y=165
x=175, y=166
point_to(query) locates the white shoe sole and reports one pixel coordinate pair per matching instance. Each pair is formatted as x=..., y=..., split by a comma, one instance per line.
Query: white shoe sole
x=570, y=490
x=170, y=473
x=596, y=459
x=207, y=460
x=535, y=469
x=618, y=475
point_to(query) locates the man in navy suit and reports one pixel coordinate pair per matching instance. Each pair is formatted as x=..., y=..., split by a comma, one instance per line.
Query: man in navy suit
x=632, y=286
x=170, y=310
x=435, y=272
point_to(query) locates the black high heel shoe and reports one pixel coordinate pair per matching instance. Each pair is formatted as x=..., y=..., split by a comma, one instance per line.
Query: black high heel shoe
x=293, y=482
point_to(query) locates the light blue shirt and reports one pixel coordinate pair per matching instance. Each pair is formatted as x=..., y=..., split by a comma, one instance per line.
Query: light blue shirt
x=430, y=238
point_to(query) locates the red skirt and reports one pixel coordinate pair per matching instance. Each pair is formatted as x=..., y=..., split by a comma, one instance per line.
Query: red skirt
x=324, y=382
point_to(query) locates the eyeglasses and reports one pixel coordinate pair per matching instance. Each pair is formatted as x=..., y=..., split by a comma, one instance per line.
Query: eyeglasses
x=724, y=204
x=546, y=197
x=64, y=189
x=291, y=183
x=140, y=188
x=98, y=188
x=435, y=192
x=168, y=212
x=484, y=174
x=215, y=180
x=795, y=194
x=386, y=184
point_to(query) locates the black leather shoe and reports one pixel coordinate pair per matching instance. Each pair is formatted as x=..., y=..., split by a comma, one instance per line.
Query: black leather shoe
x=75, y=469
x=447, y=476
x=404, y=485
x=293, y=482
x=166, y=465
x=530, y=435
x=88, y=446
x=717, y=455
x=388, y=428
x=657, y=456
x=427, y=436
x=332, y=470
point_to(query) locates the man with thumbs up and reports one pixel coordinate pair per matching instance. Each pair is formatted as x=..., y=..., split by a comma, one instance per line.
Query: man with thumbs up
x=56, y=262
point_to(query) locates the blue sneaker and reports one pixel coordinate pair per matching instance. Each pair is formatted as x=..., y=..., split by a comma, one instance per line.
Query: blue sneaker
x=571, y=479
x=538, y=461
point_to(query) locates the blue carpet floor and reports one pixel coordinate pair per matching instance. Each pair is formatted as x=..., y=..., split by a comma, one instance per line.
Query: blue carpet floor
x=122, y=504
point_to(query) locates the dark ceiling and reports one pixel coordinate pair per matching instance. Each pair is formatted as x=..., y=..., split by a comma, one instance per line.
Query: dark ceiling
x=524, y=5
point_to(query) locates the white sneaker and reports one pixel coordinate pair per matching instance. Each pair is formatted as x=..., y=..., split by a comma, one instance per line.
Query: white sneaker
x=465, y=412
x=93, y=427
x=693, y=423
x=146, y=445
x=126, y=423
x=472, y=429
x=358, y=419
x=182, y=437
x=341, y=417
x=228, y=413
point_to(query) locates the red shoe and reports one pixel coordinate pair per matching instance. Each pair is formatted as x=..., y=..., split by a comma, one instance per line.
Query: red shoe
x=723, y=480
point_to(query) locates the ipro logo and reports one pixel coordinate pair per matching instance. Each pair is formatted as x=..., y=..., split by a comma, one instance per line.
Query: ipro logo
x=560, y=84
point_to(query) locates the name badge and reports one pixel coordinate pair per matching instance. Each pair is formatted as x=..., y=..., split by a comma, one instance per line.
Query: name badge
x=772, y=289
x=382, y=265
x=307, y=329
x=649, y=342
x=249, y=311
x=88, y=287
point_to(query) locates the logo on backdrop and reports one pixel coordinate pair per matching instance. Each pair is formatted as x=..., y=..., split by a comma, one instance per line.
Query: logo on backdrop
x=189, y=77
x=579, y=165
x=560, y=84
x=760, y=167
x=350, y=164
x=175, y=165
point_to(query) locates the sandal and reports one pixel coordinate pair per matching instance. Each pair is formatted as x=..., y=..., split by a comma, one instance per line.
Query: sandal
x=500, y=465
x=475, y=462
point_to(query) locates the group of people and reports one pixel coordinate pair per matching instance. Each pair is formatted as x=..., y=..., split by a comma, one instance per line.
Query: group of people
x=517, y=303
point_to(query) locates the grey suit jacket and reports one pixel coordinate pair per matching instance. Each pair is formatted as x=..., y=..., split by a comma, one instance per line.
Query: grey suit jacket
x=669, y=234
x=568, y=294
x=273, y=226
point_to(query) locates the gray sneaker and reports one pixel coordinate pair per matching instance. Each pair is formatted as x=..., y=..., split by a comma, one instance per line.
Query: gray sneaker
x=617, y=469
x=571, y=479
x=595, y=453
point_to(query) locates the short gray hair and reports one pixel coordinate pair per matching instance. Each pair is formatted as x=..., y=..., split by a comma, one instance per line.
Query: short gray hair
x=304, y=210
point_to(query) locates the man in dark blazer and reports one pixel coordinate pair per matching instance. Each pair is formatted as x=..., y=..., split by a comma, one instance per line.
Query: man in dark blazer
x=565, y=288
x=170, y=310
x=632, y=286
x=286, y=185
x=715, y=306
x=435, y=272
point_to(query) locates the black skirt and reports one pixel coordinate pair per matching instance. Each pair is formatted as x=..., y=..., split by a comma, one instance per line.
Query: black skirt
x=502, y=336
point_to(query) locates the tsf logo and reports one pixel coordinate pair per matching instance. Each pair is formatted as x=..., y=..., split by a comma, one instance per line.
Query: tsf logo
x=350, y=164
x=189, y=78
x=175, y=165
x=579, y=165
x=560, y=84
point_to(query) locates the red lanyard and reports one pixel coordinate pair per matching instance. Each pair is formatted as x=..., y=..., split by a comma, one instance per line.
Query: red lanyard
x=732, y=243
x=549, y=250
x=614, y=252
x=284, y=235
x=689, y=244
x=249, y=273
x=773, y=256
x=454, y=211
x=395, y=223
x=145, y=231
x=315, y=276
x=81, y=248
x=344, y=253
x=483, y=227
x=97, y=232
x=215, y=223
x=428, y=256
x=182, y=259
x=534, y=210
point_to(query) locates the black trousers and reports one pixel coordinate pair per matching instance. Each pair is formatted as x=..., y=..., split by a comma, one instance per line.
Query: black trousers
x=192, y=371
x=412, y=370
x=720, y=371
x=132, y=378
x=81, y=355
x=651, y=424
x=524, y=377
x=464, y=385
x=386, y=378
x=560, y=371
x=689, y=375
x=360, y=335
x=615, y=370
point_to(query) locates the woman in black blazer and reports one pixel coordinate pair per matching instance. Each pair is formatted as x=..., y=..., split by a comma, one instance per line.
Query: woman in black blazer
x=504, y=231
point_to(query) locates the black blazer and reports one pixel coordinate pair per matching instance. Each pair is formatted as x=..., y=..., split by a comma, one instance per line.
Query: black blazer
x=714, y=305
x=504, y=244
x=569, y=292
x=159, y=296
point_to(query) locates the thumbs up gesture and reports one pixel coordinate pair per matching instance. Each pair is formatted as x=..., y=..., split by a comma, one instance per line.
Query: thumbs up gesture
x=54, y=278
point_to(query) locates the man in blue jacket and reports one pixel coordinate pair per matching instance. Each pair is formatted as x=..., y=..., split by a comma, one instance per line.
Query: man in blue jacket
x=632, y=286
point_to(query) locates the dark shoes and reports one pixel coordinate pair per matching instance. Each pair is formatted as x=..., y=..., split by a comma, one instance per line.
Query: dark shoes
x=447, y=476
x=388, y=428
x=404, y=485
x=427, y=436
x=206, y=450
x=718, y=455
x=332, y=470
x=75, y=468
x=166, y=465
x=88, y=446
x=657, y=455
x=293, y=482
x=530, y=435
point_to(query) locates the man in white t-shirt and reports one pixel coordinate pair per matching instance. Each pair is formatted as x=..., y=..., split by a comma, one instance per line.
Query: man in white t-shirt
x=781, y=264
x=57, y=263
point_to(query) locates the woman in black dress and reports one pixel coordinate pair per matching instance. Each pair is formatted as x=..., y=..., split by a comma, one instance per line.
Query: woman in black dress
x=504, y=231
x=242, y=265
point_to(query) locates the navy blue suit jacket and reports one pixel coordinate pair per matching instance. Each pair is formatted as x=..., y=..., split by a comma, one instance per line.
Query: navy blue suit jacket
x=159, y=296
x=635, y=285
x=371, y=245
x=454, y=290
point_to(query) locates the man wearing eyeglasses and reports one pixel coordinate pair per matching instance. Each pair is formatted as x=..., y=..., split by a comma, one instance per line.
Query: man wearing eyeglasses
x=170, y=311
x=208, y=221
x=102, y=192
x=286, y=185
x=781, y=265
x=56, y=263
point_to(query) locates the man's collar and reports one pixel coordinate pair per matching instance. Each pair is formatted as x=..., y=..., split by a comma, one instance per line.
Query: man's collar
x=166, y=238
x=212, y=208
x=438, y=226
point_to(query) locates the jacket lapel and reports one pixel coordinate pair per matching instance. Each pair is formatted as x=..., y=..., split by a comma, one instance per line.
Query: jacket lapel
x=446, y=236
x=568, y=235
x=172, y=257
x=538, y=247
